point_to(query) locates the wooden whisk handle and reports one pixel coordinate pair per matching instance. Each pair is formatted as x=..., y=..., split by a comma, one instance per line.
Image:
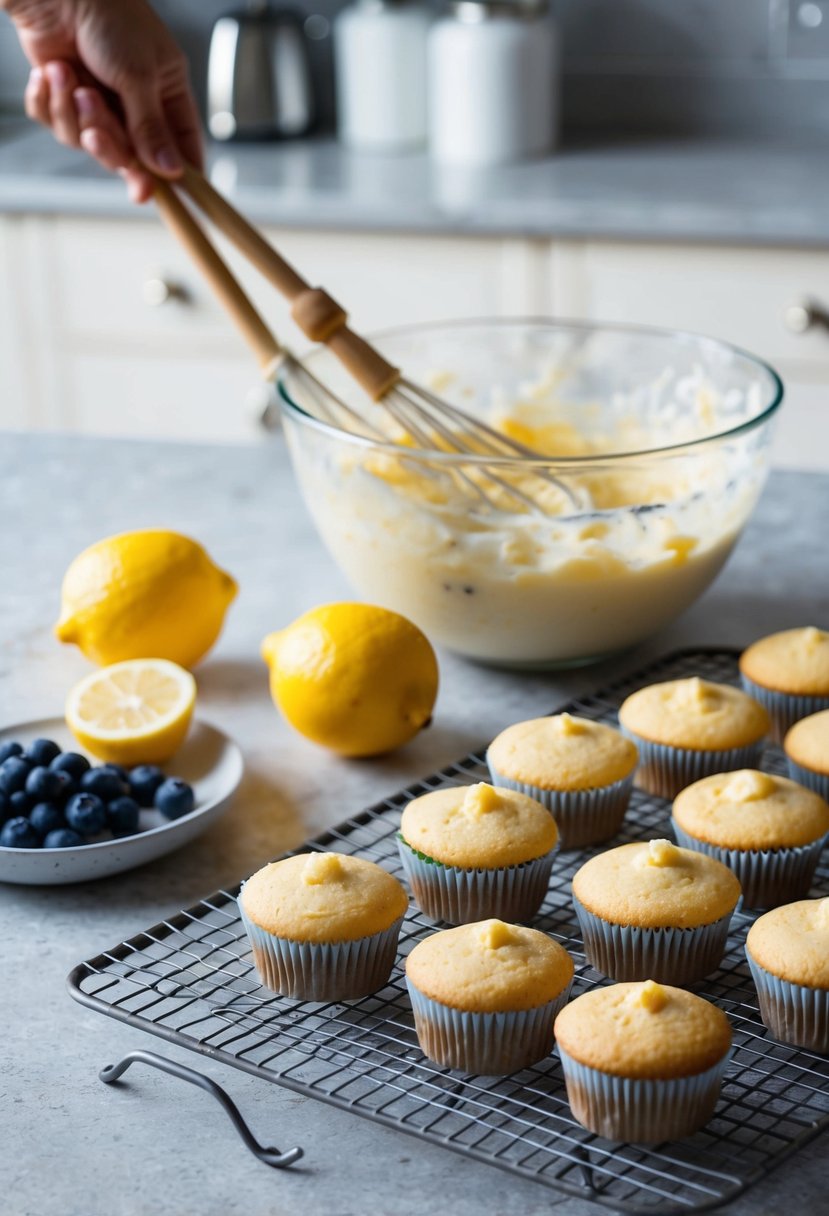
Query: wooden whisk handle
x=319, y=317
x=187, y=231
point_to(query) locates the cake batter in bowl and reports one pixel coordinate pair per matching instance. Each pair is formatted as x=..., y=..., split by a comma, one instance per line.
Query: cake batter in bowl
x=653, y=450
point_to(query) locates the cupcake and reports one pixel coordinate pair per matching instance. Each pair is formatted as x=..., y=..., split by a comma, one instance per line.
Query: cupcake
x=686, y=729
x=652, y=911
x=581, y=770
x=788, y=673
x=473, y=852
x=323, y=926
x=485, y=996
x=768, y=830
x=807, y=750
x=642, y=1062
x=788, y=953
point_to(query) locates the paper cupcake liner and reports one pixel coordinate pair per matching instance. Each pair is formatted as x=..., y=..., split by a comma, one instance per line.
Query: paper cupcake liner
x=818, y=782
x=669, y=955
x=665, y=770
x=768, y=876
x=640, y=1111
x=792, y=1012
x=784, y=708
x=460, y=897
x=488, y=1044
x=582, y=816
x=322, y=971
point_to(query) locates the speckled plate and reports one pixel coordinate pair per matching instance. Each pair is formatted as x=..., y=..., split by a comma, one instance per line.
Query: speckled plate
x=209, y=760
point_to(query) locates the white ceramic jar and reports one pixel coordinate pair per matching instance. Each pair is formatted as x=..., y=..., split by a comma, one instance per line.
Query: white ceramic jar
x=380, y=64
x=493, y=82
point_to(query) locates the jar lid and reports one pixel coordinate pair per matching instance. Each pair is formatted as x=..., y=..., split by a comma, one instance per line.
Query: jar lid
x=482, y=10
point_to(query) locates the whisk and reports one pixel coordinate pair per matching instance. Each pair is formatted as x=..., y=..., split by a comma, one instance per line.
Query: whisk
x=428, y=421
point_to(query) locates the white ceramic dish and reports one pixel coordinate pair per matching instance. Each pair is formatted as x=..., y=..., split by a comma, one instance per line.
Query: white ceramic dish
x=209, y=760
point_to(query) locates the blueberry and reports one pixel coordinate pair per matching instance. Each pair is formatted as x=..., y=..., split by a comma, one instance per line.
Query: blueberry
x=19, y=803
x=46, y=818
x=86, y=814
x=62, y=838
x=103, y=783
x=144, y=781
x=13, y=774
x=10, y=748
x=67, y=787
x=42, y=784
x=41, y=752
x=174, y=798
x=5, y=809
x=19, y=834
x=122, y=815
x=119, y=770
x=72, y=763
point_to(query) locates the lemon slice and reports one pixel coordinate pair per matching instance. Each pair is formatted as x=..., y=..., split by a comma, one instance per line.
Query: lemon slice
x=135, y=712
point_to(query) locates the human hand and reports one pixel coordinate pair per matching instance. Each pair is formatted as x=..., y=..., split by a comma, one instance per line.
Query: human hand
x=108, y=77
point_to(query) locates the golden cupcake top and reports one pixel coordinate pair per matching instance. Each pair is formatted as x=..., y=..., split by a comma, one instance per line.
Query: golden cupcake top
x=490, y=967
x=478, y=826
x=807, y=742
x=323, y=897
x=794, y=661
x=655, y=885
x=696, y=714
x=792, y=942
x=644, y=1031
x=562, y=752
x=748, y=809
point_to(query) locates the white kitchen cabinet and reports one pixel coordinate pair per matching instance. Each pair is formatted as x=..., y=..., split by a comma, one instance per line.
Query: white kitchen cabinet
x=740, y=295
x=141, y=347
x=105, y=326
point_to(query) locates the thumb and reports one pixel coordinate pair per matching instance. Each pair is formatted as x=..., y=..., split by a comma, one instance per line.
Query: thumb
x=152, y=139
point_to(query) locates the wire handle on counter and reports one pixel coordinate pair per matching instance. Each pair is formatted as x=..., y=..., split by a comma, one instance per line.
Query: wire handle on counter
x=269, y=1156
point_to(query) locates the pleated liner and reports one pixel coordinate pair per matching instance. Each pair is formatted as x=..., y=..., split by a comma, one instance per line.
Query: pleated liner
x=784, y=708
x=459, y=897
x=323, y=971
x=818, y=782
x=582, y=816
x=792, y=1012
x=640, y=1111
x=768, y=876
x=488, y=1044
x=670, y=956
x=665, y=770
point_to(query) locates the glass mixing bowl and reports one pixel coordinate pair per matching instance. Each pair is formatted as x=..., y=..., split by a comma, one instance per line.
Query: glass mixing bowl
x=655, y=449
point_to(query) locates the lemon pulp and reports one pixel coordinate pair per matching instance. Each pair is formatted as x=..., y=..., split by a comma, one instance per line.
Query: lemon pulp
x=135, y=712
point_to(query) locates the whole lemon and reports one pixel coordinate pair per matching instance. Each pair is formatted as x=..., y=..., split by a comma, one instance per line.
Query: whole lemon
x=356, y=678
x=149, y=594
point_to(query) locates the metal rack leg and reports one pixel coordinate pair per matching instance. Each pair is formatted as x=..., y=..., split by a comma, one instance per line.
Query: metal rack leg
x=270, y=1156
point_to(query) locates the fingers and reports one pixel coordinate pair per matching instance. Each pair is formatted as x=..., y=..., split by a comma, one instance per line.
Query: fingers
x=62, y=81
x=147, y=126
x=103, y=136
x=183, y=119
x=36, y=97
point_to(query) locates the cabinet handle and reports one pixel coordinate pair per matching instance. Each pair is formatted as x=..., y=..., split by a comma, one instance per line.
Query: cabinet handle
x=158, y=290
x=804, y=315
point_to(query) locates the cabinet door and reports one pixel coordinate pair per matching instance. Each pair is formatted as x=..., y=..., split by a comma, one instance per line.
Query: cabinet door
x=18, y=398
x=143, y=348
x=740, y=295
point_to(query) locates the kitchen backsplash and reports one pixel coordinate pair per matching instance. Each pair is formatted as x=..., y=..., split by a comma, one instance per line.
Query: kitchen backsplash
x=742, y=67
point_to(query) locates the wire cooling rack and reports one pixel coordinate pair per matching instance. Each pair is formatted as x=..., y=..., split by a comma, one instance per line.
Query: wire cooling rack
x=191, y=981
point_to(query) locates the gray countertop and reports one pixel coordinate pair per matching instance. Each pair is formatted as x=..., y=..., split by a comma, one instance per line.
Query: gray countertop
x=638, y=189
x=73, y=1147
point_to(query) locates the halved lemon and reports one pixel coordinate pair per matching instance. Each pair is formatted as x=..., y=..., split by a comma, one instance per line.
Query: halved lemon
x=135, y=712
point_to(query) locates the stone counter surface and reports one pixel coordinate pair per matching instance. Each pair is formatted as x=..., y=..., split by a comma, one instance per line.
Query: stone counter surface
x=73, y=1147
x=630, y=189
